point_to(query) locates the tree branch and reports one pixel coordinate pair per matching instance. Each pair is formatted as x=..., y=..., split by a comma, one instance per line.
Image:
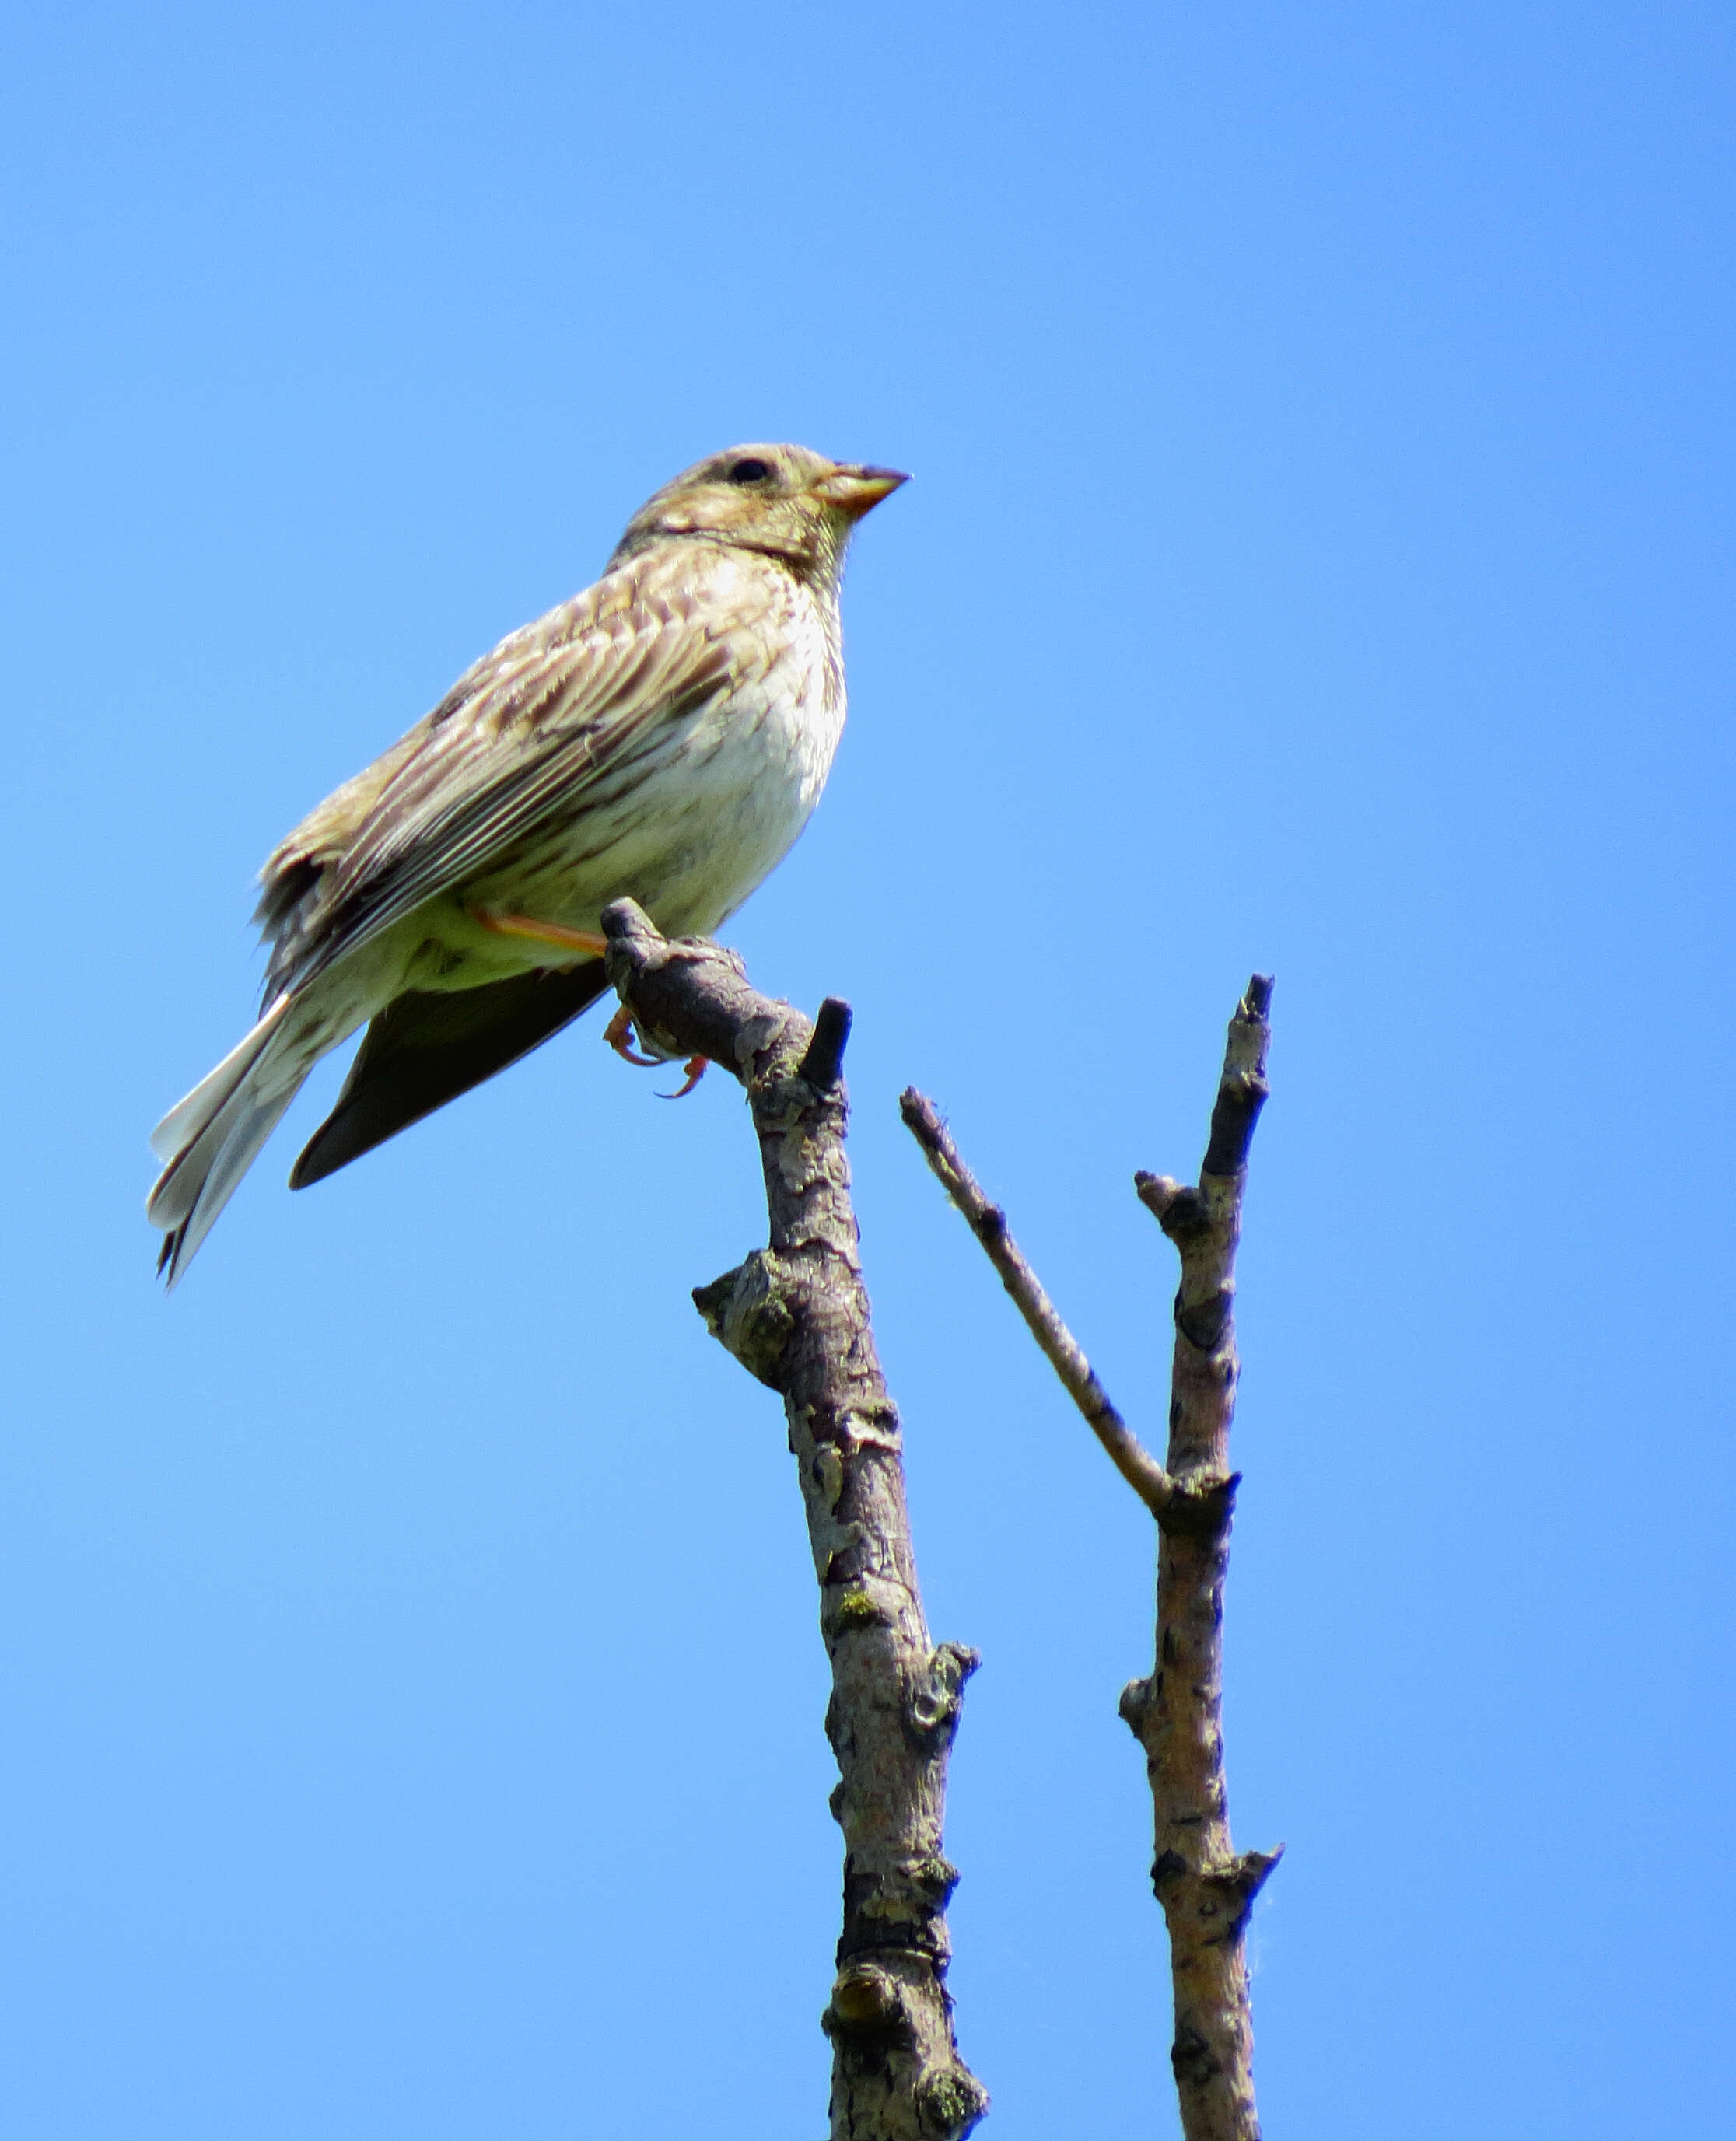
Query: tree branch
x=796, y=1315
x=1206, y=1888
x=1206, y=1891
x=988, y=1221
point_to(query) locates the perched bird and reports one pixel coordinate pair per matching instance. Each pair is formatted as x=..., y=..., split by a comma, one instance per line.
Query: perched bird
x=663, y=736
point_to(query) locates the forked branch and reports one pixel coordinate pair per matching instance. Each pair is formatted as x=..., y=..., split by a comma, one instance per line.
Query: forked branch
x=1206, y=1888
x=988, y=1221
x=795, y=1314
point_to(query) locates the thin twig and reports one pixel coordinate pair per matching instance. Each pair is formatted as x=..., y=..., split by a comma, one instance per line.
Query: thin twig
x=988, y=1221
x=796, y=1315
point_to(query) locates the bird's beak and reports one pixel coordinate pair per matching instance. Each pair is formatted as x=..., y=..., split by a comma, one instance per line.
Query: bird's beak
x=856, y=488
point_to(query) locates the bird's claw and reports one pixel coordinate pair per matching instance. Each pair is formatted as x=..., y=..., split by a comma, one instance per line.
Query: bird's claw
x=619, y=1034
x=696, y=1067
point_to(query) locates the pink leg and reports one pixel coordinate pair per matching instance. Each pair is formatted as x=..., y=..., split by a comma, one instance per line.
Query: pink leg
x=544, y=933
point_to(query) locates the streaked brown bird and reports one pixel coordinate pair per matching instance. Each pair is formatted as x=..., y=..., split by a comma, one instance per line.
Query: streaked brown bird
x=663, y=736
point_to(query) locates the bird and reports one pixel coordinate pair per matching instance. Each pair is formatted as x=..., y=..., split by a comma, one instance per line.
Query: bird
x=663, y=736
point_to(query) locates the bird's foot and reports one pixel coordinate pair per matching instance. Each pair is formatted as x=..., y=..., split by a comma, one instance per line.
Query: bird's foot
x=620, y=1036
x=543, y=932
x=696, y=1067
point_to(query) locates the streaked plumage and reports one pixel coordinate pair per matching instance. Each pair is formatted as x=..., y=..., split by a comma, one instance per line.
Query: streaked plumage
x=664, y=736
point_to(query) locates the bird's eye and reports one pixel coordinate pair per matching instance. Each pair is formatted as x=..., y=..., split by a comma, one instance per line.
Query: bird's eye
x=749, y=470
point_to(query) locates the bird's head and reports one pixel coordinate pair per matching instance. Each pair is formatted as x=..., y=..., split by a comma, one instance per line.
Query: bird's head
x=786, y=502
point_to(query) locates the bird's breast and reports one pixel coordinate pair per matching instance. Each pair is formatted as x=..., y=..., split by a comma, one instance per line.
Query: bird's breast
x=700, y=809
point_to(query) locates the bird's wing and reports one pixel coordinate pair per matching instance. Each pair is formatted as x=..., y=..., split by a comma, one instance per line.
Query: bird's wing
x=516, y=742
x=426, y=1049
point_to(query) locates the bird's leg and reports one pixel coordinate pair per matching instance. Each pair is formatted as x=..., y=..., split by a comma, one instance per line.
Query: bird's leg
x=543, y=932
x=619, y=1032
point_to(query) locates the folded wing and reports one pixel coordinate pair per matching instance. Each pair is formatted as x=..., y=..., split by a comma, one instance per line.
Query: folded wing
x=424, y=1049
x=513, y=747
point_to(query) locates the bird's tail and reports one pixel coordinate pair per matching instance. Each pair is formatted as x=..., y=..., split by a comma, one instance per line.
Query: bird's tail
x=208, y=1141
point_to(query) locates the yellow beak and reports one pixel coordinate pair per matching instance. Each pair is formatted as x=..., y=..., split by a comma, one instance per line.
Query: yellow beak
x=856, y=489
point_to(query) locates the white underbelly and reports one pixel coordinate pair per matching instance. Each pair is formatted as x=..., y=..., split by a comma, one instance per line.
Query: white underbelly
x=688, y=827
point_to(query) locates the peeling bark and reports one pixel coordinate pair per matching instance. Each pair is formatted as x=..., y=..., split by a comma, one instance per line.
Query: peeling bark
x=796, y=1316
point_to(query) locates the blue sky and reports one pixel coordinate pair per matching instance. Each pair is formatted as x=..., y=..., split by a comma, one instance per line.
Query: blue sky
x=1318, y=561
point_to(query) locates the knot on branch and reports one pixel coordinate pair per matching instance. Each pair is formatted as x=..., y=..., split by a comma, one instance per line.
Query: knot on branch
x=1178, y=1207
x=933, y=1702
x=858, y=1427
x=1192, y=2060
x=1200, y=1509
x=1216, y=1898
x=1138, y=1699
x=866, y=2002
x=950, y=2101
x=748, y=1313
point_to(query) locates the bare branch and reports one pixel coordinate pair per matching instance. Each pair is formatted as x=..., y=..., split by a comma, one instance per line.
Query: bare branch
x=1206, y=1888
x=795, y=1314
x=988, y=1221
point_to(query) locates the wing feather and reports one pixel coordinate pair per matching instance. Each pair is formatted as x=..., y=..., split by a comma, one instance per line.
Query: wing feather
x=423, y=1050
x=514, y=745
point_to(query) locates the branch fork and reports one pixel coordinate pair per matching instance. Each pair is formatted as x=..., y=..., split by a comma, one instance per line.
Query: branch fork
x=795, y=1314
x=1206, y=1889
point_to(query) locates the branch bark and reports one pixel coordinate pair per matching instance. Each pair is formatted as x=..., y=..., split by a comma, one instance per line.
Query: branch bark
x=1206, y=1887
x=1206, y=1890
x=1065, y=1354
x=796, y=1315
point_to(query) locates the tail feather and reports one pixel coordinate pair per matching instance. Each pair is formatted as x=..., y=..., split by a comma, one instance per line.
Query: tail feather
x=217, y=1132
x=422, y=1049
x=236, y=1154
x=187, y=1118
